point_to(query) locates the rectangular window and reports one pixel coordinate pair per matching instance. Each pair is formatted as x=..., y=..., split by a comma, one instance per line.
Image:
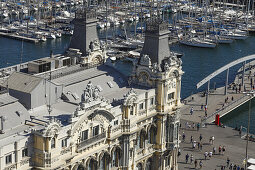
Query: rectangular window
x=24, y=152
x=152, y=101
x=171, y=96
x=64, y=142
x=96, y=130
x=141, y=106
x=85, y=135
x=131, y=110
x=8, y=159
x=53, y=143
x=116, y=122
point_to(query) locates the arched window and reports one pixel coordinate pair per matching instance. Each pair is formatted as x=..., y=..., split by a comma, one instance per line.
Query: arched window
x=142, y=138
x=139, y=166
x=104, y=162
x=92, y=164
x=152, y=135
x=116, y=157
x=149, y=164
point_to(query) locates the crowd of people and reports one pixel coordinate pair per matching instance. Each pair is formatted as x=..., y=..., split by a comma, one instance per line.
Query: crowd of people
x=208, y=154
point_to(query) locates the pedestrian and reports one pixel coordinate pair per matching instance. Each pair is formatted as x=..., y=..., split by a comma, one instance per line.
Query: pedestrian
x=191, y=139
x=232, y=98
x=200, y=137
x=183, y=136
x=193, y=125
x=210, y=140
x=223, y=150
x=210, y=154
x=201, y=164
x=214, y=150
x=198, y=126
x=234, y=167
x=228, y=161
x=206, y=154
x=238, y=167
x=191, y=111
x=187, y=125
x=202, y=106
x=179, y=152
x=198, y=145
x=231, y=166
x=201, y=146
x=236, y=90
x=195, y=164
x=213, y=138
x=191, y=159
x=205, y=107
x=205, y=113
x=219, y=149
x=187, y=158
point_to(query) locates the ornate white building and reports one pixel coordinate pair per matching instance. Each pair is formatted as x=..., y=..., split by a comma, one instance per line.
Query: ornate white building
x=103, y=120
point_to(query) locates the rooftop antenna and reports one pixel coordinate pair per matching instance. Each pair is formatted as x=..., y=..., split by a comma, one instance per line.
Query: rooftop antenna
x=21, y=53
x=49, y=104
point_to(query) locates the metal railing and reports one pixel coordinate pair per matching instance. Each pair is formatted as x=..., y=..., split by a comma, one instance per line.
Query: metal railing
x=84, y=144
x=204, y=119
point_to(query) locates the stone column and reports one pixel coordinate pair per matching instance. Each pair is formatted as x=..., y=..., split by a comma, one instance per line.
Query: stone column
x=125, y=148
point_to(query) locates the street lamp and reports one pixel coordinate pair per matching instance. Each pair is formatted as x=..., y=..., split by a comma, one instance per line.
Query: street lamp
x=251, y=94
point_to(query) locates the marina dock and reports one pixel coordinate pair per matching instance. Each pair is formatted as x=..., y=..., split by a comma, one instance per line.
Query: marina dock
x=217, y=100
x=19, y=37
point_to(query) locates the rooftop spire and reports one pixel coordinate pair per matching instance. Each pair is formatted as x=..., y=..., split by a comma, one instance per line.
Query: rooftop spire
x=156, y=43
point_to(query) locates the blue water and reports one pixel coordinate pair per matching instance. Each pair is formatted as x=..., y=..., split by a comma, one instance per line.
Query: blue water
x=197, y=64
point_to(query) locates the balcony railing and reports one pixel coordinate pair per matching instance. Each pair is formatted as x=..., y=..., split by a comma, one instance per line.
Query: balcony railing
x=88, y=142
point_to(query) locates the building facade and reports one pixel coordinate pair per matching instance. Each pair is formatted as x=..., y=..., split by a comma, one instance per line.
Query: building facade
x=104, y=119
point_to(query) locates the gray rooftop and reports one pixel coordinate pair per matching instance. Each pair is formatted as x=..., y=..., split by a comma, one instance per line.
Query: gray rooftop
x=6, y=99
x=14, y=113
x=22, y=82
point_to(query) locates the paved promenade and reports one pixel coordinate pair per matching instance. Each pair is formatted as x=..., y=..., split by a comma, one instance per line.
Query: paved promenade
x=218, y=104
x=235, y=147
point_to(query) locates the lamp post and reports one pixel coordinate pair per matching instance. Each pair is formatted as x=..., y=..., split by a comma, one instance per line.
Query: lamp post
x=251, y=94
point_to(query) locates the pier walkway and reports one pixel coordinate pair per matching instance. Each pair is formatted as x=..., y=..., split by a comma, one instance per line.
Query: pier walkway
x=217, y=97
x=19, y=37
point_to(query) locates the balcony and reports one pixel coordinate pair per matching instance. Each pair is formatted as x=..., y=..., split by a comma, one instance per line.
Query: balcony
x=24, y=161
x=89, y=142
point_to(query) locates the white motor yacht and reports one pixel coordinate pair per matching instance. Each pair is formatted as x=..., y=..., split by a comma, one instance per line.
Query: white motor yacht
x=197, y=42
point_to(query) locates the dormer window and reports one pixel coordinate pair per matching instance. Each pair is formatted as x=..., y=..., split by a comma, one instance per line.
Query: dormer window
x=96, y=130
x=84, y=135
x=171, y=96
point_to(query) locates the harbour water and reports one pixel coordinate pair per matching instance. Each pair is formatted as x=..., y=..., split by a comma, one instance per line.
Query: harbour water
x=197, y=64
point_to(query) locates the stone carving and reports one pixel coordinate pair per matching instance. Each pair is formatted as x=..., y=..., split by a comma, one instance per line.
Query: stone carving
x=94, y=45
x=101, y=119
x=145, y=60
x=166, y=67
x=130, y=97
x=52, y=128
x=155, y=68
x=90, y=94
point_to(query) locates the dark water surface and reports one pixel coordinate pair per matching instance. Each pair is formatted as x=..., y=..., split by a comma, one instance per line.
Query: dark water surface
x=197, y=64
